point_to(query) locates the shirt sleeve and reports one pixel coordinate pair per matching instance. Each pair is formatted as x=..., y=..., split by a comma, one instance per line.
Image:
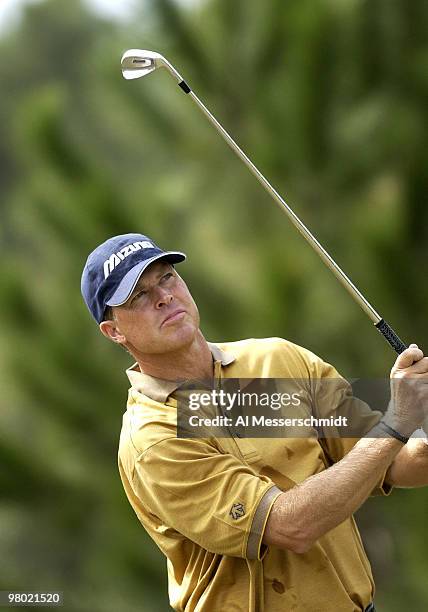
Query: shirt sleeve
x=334, y=397
x=208, y=496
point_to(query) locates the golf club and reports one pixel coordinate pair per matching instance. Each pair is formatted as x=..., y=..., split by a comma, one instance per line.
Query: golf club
x=137, y=63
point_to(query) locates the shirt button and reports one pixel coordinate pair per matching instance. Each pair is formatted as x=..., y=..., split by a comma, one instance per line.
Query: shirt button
x=278, y=587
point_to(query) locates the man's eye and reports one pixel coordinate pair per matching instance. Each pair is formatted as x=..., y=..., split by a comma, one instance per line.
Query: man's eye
x=138, y=294
x=167, y=276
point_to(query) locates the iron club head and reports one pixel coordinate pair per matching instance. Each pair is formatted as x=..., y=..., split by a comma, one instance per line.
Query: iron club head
x=137, y=63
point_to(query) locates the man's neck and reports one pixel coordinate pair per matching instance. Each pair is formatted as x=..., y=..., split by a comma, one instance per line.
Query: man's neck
x=192, y=362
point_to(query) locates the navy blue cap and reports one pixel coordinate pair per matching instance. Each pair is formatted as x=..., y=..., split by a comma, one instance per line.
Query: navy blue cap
x=112, y=270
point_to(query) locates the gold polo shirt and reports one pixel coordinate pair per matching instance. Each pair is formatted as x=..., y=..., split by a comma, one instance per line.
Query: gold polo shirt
x=205, y=502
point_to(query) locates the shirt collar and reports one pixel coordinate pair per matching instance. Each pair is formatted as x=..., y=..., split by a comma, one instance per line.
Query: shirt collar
x=220, y=355
x=159, y=389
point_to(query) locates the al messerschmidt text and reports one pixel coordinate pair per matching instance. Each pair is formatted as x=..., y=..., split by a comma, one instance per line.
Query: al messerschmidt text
x=262, y=421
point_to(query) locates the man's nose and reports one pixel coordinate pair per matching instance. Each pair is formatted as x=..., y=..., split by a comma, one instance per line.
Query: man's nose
x=163, y=297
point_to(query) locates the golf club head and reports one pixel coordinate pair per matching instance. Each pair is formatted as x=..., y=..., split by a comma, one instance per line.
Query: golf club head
x=136, y=63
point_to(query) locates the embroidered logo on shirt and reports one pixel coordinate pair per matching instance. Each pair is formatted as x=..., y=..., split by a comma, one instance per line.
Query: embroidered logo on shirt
x=237, y=511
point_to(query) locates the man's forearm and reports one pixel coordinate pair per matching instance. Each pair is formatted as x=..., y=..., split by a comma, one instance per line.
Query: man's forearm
x=410, y=466
x=309, y=510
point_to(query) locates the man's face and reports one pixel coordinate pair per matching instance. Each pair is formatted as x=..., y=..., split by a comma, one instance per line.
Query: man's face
x=160, y=315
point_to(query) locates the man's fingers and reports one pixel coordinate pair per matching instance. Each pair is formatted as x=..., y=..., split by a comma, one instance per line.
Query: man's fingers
x=409, y=357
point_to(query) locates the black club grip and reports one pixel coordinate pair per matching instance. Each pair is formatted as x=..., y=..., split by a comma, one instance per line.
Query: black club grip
x=391, y=337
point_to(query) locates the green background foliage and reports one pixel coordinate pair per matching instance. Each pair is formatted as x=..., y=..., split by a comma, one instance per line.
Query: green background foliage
x=329, y=99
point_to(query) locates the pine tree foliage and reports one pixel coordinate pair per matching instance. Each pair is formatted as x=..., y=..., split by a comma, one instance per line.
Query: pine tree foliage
x=329, y=99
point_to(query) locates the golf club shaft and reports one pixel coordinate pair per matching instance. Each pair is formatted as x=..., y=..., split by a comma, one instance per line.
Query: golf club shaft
x=388, y=333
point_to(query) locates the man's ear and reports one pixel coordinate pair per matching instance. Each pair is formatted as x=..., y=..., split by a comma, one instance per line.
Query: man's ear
x=111, y=331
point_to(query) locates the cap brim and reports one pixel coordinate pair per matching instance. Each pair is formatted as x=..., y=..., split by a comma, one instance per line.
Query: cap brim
x=128, y=282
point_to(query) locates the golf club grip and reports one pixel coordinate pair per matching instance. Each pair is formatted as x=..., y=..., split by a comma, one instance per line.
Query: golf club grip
x=391, y=337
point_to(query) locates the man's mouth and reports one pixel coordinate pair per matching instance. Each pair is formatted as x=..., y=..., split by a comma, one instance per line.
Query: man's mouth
x=174, y=316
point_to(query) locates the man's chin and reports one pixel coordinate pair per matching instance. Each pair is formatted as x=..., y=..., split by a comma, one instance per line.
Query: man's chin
x=180, y=338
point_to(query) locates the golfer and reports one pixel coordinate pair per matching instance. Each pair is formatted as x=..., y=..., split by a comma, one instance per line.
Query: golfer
x=246, y=524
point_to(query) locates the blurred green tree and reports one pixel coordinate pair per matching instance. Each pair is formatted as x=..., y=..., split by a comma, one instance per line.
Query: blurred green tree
x=329, y=100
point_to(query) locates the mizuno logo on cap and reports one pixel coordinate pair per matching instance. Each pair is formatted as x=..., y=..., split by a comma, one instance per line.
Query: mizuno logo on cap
x=115, y=259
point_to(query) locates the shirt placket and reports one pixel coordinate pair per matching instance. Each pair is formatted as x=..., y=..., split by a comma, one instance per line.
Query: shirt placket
x=218, y=377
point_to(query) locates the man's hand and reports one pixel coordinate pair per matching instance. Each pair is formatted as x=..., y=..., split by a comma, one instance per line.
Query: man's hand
x=408, y=410
x=409, y=392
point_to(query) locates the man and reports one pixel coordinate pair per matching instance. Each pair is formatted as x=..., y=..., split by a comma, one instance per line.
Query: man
x=246, y=524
